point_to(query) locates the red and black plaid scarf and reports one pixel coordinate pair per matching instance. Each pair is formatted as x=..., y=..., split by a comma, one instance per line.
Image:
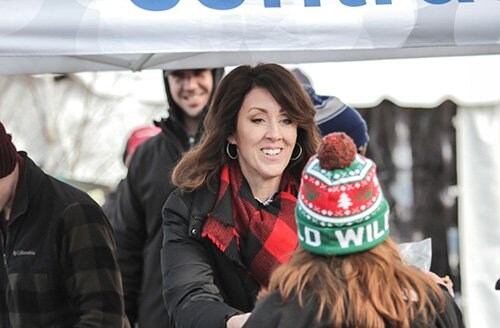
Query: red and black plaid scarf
x=255, y=236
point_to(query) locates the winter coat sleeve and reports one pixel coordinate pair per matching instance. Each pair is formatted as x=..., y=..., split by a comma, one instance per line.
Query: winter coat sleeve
x=90, y=270
x=191, y=297
x=130, y=235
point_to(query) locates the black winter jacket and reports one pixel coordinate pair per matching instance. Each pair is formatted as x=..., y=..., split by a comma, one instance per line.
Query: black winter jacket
x=59, y=267
x=203, y=288
x=137, y=221
x=272, y=312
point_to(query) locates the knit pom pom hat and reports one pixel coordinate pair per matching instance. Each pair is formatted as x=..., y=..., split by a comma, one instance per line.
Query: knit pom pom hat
x=8, y=154
x=340, y=207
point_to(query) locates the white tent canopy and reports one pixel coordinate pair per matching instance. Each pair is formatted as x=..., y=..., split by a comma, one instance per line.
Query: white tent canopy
x=53, y=36
x=410, y=82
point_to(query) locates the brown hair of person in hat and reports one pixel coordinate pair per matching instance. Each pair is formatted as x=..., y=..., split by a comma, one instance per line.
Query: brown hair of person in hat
x=8, y=153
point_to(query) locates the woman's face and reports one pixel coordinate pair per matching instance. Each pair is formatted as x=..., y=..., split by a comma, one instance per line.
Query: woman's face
x=265, y=137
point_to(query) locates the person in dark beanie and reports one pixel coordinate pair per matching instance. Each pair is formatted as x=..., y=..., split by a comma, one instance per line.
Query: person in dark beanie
x=59, y=265
x=347, y=272
x=137, y=221
x=332, y=115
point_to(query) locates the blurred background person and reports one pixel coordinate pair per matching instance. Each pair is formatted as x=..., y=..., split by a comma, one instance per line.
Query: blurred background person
x=137, y=222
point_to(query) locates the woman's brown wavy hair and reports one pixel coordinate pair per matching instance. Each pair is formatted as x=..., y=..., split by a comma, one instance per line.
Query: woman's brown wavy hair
x=203, y=163
x=368, y=289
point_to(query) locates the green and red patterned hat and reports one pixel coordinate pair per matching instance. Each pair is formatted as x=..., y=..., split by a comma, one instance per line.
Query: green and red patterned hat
x=340, y=208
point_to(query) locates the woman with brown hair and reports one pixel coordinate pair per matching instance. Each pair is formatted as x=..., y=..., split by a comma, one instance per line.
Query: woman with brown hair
x=231, y=221
x=347, y=272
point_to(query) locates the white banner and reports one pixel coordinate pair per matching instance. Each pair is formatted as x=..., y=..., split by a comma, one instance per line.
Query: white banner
x=38, y=36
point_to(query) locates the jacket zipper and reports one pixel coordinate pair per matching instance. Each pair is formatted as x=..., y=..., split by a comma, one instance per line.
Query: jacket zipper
x=4, y=239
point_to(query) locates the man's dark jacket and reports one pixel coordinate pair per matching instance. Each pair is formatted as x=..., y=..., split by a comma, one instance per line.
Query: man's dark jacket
x=137, y=222
x=59, y=267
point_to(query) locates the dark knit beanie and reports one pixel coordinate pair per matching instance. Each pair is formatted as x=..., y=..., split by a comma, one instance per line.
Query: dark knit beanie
x=336, y=116
x=8, y=154
x=332, y=115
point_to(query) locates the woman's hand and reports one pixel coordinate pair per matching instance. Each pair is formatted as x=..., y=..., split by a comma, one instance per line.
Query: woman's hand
x=237, y=321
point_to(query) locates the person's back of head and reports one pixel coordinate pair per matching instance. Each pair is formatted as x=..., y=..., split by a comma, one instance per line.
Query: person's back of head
x=332, y=115
x=346, y=260
x=335, y=116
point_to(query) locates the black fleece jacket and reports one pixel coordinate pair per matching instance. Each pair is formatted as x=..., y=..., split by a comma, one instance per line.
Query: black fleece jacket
x=137, y=221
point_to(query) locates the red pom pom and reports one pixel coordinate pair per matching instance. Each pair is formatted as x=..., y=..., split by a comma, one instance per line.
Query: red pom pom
x=336, y=151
